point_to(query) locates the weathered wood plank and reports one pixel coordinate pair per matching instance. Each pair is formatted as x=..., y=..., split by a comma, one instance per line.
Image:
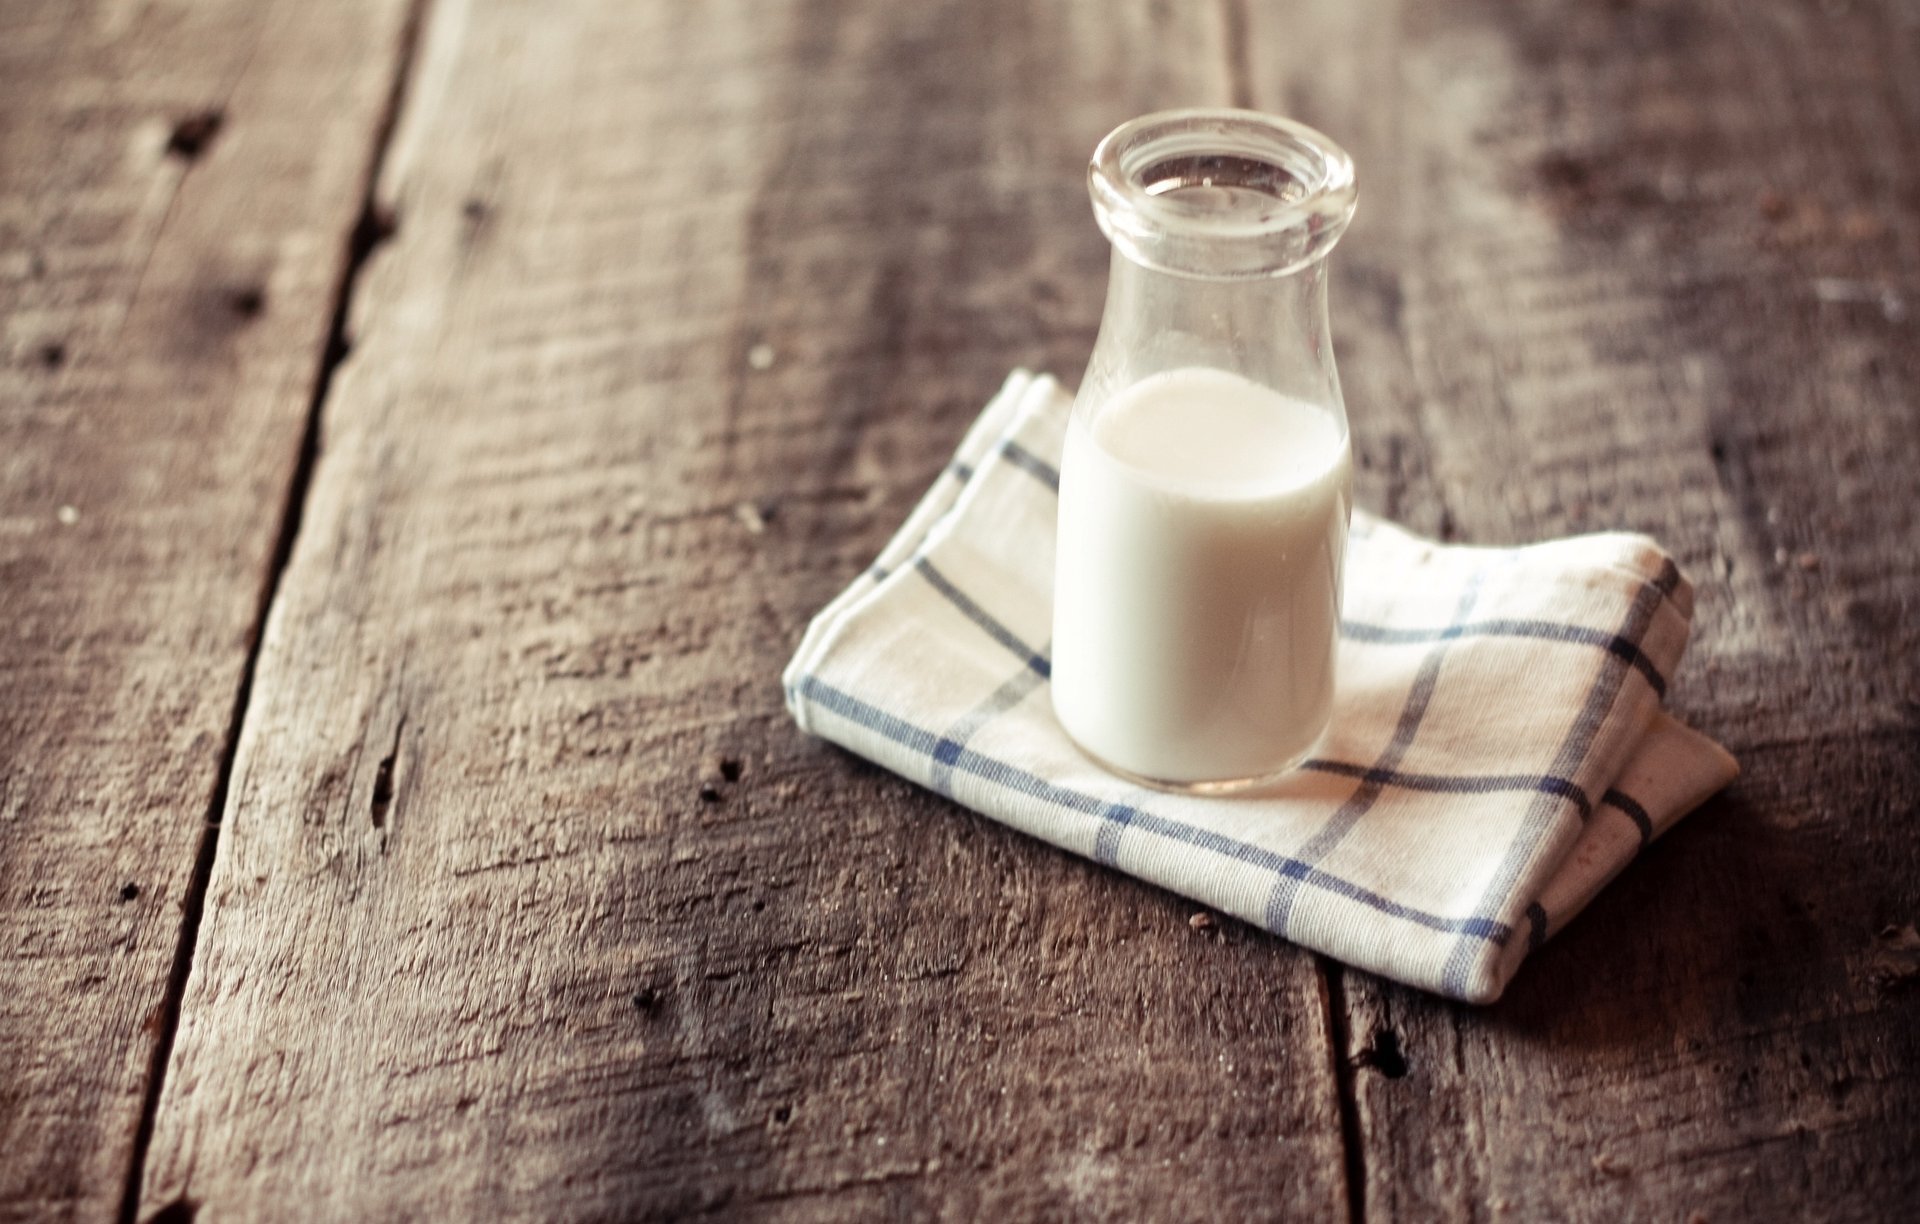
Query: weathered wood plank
x=531, y=902
x=176, y=185
x=1652, y=266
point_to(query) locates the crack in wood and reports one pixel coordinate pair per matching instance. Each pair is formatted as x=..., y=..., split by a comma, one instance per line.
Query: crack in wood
x=192, y=135
x=166, y=1018
x=1383, y=1055
x=1339, y=1040
x=382, y=800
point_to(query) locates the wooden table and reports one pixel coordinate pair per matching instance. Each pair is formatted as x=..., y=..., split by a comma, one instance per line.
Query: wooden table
x=426, y=427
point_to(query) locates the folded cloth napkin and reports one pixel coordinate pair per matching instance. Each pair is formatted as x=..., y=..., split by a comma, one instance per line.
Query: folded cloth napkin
x=1498, y=749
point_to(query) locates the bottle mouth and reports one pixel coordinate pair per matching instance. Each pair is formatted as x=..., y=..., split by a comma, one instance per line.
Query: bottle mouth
x=1221, y=194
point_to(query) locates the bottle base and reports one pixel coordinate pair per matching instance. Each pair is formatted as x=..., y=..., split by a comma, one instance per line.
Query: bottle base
x=1210, y=788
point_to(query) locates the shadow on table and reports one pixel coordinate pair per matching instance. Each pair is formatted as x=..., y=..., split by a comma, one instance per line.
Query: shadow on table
x=1720, y=925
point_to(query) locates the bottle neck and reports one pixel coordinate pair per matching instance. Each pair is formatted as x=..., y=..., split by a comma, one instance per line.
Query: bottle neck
x=1271, y=330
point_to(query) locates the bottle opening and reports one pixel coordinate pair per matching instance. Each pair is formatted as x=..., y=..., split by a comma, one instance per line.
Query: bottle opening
x=1224, y=178
x=1221, y=194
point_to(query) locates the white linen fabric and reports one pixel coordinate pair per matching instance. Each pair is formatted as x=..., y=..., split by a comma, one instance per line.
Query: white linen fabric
x=1498, y=749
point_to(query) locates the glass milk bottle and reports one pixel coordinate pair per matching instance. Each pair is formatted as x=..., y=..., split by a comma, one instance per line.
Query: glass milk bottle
x=1206, y=483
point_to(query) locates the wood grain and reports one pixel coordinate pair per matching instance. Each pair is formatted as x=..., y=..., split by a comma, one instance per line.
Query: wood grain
x=1650, y=266
x=177, y=182
x=531, y=903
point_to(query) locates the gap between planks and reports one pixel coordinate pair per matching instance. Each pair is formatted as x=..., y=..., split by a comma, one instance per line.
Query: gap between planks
x=372, y=226
x=1341, y=1066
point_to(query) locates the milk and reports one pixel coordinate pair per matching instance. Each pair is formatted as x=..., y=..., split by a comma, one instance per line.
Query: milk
x=1203, y=522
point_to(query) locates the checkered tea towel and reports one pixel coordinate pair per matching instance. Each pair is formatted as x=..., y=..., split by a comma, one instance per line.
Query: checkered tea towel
x=1498, y=749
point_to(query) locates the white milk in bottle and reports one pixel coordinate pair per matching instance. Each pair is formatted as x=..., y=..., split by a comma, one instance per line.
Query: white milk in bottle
x=1203, y=523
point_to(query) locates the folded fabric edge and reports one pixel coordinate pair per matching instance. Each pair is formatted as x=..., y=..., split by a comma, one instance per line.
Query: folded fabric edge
x=1673, y=770
x=1669, y=795
x=1630, y=553
x=995, y=422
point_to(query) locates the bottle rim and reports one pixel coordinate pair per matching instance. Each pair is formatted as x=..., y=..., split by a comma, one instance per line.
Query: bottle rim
x=1220, y=193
